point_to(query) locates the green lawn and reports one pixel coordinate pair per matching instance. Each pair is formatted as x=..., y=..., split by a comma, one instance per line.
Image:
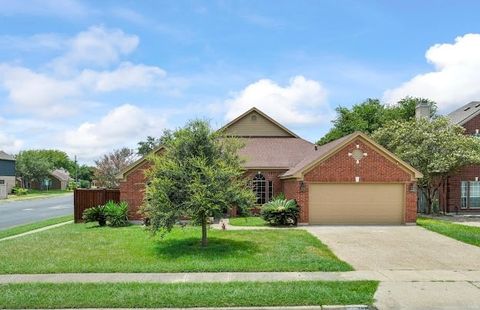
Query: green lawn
x=35, y=194
x=24, y=228
x=87, y=248
x=155, y=295
x=247, y=221
x=464, y=233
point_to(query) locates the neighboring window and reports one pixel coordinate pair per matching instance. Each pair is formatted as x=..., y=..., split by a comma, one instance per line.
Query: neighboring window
x=270, y=190
x=470, y=195
x=262, y=188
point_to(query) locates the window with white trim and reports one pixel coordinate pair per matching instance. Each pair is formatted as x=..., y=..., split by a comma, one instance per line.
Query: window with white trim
x=470, y=195
x=262, y=188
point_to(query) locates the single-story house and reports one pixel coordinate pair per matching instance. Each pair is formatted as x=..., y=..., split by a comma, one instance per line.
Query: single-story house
x=461, y=192
x=58, y=179
x=352, y=180
x=7, y=171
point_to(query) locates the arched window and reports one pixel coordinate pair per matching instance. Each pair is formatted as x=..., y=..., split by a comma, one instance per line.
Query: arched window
x=262, y=188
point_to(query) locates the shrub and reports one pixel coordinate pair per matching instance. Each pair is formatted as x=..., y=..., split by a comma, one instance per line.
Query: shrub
x=19, y=191
x=84, y=184
x=117, y=213
x=280, y=212
x=71, y=185
x=95, y=214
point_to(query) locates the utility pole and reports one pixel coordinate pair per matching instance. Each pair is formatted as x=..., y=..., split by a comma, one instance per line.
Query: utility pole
x=76, y=171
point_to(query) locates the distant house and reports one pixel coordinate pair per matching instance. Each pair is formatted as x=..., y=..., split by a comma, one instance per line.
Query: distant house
x=7, y=171
x=58, y=179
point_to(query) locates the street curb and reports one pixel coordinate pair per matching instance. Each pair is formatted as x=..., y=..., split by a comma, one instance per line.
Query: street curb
x=36, y=230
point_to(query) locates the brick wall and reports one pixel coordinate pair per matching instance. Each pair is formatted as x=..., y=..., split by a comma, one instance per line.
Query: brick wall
x=132, y=190
x=293, y=190
x=342, y=168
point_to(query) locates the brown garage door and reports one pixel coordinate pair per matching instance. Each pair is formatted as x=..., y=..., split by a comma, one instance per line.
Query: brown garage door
x=356, y=203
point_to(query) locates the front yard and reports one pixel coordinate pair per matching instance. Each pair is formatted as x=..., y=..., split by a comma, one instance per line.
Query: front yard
x=87, y=248
x=464, y=233
x=35, y=194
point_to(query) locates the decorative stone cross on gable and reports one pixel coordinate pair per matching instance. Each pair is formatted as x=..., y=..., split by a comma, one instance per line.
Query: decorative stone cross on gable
x=357, y=154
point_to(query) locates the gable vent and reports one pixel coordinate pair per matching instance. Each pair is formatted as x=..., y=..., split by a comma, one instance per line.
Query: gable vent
x=253, y=118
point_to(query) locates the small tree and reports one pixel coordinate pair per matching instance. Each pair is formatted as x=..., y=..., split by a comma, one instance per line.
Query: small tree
x=32, y=166
x=199, y=175
x=436, y=148
x=109, y=166
x=150, y=143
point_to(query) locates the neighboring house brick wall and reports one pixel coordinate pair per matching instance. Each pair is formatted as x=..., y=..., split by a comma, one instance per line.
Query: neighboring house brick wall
x=132, y=190
x=374, y=168
x=468, y=173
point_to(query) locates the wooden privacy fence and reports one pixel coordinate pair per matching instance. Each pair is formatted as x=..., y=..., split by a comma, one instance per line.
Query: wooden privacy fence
x=88, y=198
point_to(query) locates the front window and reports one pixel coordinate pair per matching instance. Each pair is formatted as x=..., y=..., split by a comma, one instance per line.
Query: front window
x=262, y=188
x=470, y=194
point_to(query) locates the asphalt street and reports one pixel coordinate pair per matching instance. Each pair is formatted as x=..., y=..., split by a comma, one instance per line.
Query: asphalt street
x=28, y=211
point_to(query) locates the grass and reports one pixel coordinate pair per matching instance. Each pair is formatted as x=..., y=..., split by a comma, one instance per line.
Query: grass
x=464, y=233
x=247, y=221
x=35, y=194
x=28, y=227
x=86, y=248
x=156, y=295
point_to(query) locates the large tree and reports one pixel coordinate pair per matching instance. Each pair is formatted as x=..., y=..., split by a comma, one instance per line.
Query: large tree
x=435, y=147
x=199, y=175
x=371, y=115
x=32, y=166
x=150, y=143
x=109, y=166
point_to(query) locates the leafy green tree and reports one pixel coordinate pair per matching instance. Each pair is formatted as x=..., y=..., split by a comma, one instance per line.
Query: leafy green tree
x=371, y=115
x=32, y=166
x=145, y=147
x=436, y=148
x=198, y=176
x=58, y=159
x=109, y=166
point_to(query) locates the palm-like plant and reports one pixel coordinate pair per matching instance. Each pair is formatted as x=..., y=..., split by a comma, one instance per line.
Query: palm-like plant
x=280, y=212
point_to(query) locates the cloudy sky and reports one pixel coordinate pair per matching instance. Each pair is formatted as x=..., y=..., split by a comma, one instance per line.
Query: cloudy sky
x=90, y=76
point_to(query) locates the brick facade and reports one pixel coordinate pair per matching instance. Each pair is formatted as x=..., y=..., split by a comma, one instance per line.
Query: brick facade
x=132, y=190
x=341, y=168
x=468, y=173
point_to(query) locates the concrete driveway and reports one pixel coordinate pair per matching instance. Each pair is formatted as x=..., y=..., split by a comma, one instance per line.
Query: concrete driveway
x=419, y=265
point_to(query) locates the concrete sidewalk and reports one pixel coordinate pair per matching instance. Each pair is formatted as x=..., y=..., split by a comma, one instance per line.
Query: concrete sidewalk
x=36, y=230
x=378, y=275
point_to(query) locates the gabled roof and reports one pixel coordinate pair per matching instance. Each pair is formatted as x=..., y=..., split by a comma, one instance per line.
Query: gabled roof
x=61, y=175
x=256, y=110
x=274, y=153
x=5, y=156
x=465, y=113
x=137, y=163
x=325, y=151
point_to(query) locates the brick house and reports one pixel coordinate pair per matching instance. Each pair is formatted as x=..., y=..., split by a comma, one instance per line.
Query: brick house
x=461, y=192
x=352, y=180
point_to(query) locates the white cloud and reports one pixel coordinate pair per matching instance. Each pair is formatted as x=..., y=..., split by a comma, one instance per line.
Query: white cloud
x=125, y=76
x=97, y=46
x=9, y=143
x=303, y=101
x=455, y=80
x=67, y=88
x=125, y=125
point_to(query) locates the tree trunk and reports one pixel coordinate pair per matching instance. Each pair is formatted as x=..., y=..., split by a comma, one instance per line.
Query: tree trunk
x=204, y=231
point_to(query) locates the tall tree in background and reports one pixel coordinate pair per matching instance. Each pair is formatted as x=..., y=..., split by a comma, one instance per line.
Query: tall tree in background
x=199, y=175
x=32, y=166
x=436, y=148
x=109, y=166
x=371, y=115
x=145, y=147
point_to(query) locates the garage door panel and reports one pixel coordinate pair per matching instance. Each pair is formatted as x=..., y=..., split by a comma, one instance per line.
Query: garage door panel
x=356, y=203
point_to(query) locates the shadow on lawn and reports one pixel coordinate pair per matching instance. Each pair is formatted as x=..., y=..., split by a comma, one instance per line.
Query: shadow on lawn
x=216, y=248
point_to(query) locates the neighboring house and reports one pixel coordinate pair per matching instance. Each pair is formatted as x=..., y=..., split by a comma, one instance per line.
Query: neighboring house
x=352, y=180
x=58, y=179
x=7, y=171
x=462, y=190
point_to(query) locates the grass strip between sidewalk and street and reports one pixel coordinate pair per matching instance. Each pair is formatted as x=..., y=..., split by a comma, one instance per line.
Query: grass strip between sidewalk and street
x=16, y=230
x=37, y=194
x=464, y=233
x=154, y=295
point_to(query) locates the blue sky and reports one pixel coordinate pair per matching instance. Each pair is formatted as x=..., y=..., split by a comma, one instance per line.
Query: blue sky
x=90, y=76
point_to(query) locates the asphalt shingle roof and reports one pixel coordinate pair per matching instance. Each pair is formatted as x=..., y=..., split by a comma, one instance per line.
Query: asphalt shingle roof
x=6, y=156
x=463, y=114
